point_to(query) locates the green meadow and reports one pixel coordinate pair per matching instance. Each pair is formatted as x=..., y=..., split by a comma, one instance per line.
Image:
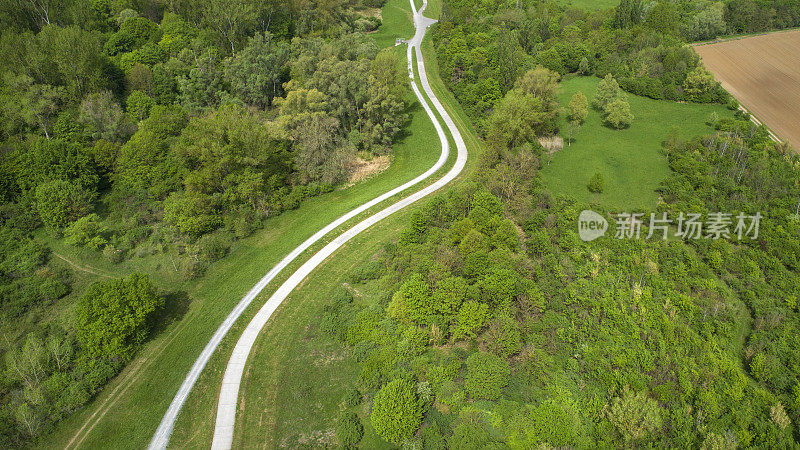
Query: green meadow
x=631, y=160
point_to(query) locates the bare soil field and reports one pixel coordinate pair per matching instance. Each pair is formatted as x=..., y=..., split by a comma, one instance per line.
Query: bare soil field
x=763, y=73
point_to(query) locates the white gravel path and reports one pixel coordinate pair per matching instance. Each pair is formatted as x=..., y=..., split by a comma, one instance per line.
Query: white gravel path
x=226, y=411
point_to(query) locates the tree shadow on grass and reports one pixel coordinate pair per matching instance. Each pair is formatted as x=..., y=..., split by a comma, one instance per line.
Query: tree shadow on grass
x=411, y=109
x=176, y=304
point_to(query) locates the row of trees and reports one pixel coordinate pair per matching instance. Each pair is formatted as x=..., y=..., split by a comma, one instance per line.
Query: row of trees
x=482, y=51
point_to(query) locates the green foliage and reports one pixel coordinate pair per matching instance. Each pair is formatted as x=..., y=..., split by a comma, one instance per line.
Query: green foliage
x=470, y=319
x=396, y=412
x=448, y=296
x=48, y=160
x=103, y=117
x=503, y=336
x=115, y=317
x=634, y=415
x=412, y=302
x=61, y=202
x=87, y=231
x=191, y=214
x=138, y=105
x=700, y=86
x=256, y=72
x=607, y=92
x=618, y=114
x=578, y=108
x=486, y=376
x=527, y=111
x=596, y=184
x=628, y=13
x=349, y=430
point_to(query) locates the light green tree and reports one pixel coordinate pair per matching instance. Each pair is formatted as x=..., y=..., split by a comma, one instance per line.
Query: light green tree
x=396, y=412
x=487, y=375
x=86, y=231
x=618, y=114
x=634, y=414
x=61, y=202
x=139, y=105
x=471, y=317
x=608, y=90
x=115, y=317
x=699, y=82
x=578, y=108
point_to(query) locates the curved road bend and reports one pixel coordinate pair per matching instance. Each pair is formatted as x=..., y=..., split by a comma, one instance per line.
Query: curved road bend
x=226, y=409
x=227, y=406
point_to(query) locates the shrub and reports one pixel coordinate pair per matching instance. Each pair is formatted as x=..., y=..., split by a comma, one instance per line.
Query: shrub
x=596, y=184
x=61, y=202
x=634, y=414
x=139, y=105
x=487, y=375
x=115, y=317
x=352, y=398
x=86, y=232
x=503, y=337
x=396, y=413
x=608, y=90
x=470, y=318
x=349, y=430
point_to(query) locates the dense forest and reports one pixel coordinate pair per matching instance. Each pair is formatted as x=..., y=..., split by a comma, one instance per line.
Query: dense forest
x=495, y=326
x=134, y=128
x=491, y=324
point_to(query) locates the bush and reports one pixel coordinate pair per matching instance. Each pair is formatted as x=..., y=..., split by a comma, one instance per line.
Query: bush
x=213, y=247
x=61, y=202
x=487, y=375
x=608, y=90
x=115, y=317
x=86, y=232
x=503, y=337
x=596, y=184
x=471, y=317
x=139, y=105
x=349, y=430
x=113, y=254
x=396, y=412
x=352, y=398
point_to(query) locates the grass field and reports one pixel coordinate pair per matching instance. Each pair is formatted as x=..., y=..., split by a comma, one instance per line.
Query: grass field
x=396, y=23
x=128, y=410
x=630, y=160
x=761, y=72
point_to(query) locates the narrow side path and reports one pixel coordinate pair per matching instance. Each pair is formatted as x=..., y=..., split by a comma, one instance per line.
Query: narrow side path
x=228, y=399
x=161, y=437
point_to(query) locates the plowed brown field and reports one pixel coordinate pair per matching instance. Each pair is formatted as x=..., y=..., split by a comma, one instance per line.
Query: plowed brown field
x=763, y=73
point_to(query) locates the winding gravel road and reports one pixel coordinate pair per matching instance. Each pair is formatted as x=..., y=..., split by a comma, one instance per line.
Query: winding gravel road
x=226, y=411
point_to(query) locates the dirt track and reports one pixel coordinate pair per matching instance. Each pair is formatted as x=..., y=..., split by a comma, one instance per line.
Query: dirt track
x=763, y=73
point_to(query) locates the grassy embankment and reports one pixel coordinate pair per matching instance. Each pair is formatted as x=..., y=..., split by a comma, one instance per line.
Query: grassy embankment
x=127, y=411
x=630, y=160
